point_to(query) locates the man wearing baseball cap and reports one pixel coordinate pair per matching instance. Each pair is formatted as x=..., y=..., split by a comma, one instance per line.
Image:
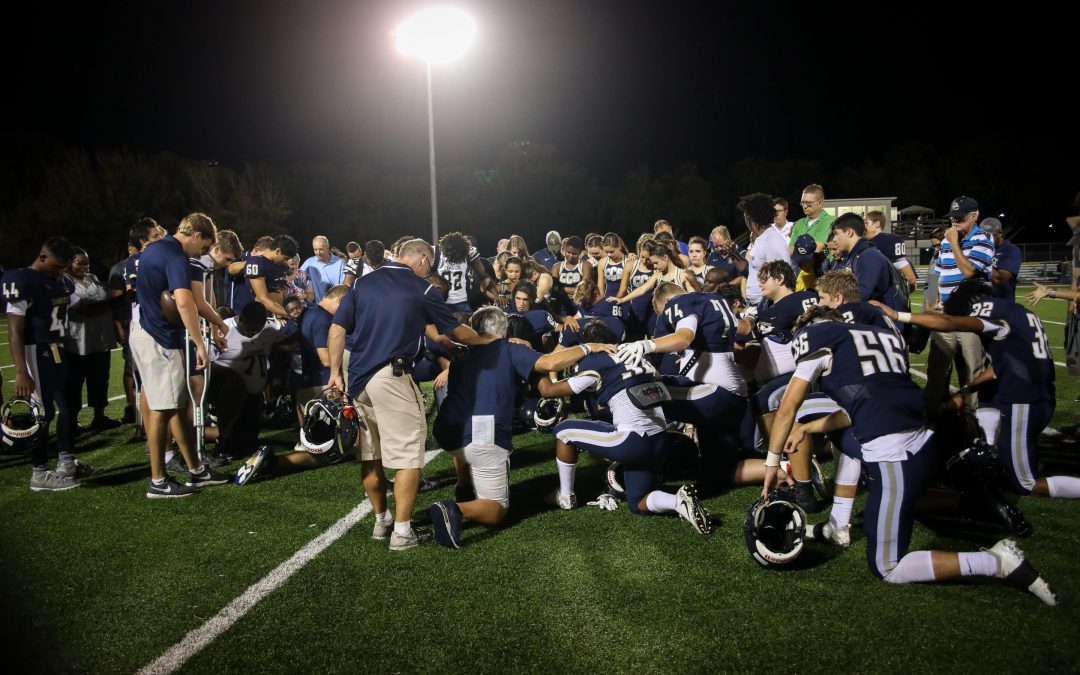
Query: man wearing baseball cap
x=804, y=262
x=966, y=253
x=550, y=255
x=1007, y=259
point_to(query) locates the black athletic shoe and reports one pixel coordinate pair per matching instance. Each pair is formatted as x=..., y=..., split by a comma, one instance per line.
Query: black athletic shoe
x=207, y=478
x=446, y=523
x=169, y=490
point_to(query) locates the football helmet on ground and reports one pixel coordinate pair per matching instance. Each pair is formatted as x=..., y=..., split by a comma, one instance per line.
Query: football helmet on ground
x=20, y=419
x=774, y=529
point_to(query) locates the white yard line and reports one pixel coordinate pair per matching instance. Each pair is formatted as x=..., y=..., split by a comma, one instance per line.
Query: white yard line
x=177, y=655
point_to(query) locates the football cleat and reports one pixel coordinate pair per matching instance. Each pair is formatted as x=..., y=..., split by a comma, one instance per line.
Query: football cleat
x=803, y=495
x=1017, y=571
x=446, y=523
x=690, y=509
x=774, y=530
x=564, y=502
x=256, y=465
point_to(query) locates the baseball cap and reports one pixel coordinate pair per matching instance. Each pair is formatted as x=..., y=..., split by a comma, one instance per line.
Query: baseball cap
x=805, y=246
x=991, y=226
x=552, y=233
x=961, y=206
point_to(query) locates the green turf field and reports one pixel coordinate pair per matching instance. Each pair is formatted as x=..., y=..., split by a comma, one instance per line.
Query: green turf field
x=101, y=579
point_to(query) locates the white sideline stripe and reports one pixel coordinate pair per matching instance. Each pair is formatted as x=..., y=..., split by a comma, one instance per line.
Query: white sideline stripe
x=177, y=655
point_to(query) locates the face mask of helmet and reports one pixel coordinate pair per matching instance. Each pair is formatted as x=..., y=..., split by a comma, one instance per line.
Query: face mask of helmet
x=330, y=424
x=20, y=420
x=774, y=529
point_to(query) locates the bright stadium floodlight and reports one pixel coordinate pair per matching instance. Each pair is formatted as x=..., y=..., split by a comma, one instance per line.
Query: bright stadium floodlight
x=435, y=35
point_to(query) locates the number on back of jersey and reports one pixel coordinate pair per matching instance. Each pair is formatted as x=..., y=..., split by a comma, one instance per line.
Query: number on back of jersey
x=879, y=352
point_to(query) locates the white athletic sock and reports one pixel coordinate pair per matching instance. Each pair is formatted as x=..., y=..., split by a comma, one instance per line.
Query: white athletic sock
x=403, y=528
x=915, y=567
x=197, y=469
x=159, y=481
x=169, y=454
x=384, y=518
x=847, y=470
x=566, y=476
x=1063, y=487
x=660, y=502
x=981, y=564
x=840, y=516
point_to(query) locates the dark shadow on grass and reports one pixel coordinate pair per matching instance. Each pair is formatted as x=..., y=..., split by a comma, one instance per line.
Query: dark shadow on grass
x=981, y=532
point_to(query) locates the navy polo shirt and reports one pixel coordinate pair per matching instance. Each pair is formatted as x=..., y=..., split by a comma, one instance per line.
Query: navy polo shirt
x=385, y=314
x=314, y=330
x=163, y=266
x=1007, y=257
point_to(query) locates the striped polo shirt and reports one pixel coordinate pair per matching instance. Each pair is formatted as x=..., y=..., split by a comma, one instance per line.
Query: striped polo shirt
x=978, y=248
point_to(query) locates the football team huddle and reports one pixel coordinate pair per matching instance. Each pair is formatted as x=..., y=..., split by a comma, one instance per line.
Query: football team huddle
x=783, y=364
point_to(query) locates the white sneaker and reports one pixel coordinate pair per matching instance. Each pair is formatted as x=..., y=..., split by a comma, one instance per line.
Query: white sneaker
x=382, y=532
x=49, y=481
x=690, y=509
x=1016, y=570
x=564, y=502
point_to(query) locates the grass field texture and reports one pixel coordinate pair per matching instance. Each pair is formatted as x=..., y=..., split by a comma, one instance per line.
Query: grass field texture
x=100, y=579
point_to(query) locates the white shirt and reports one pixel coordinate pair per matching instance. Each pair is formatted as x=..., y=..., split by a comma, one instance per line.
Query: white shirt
x=786, y=230
x=247, y=355
x=771, y=245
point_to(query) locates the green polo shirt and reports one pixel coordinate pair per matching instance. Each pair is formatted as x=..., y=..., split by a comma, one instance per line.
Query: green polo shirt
x=819, y=230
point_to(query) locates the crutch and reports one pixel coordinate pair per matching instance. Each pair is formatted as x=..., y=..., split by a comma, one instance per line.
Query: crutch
x=199, y=406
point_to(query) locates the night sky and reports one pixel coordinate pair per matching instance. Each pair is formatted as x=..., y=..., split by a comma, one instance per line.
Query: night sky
x=612, y=85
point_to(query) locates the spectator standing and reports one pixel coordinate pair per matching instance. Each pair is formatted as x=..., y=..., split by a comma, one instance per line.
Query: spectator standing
x=323, y=270
x=89, y=341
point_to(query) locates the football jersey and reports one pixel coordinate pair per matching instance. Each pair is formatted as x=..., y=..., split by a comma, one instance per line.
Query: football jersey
x=456, y=275
x=865, y=370
x=1016, y=344
x=542, y=325
x=261, y=267
x=480, y=395
x=613, y=277
x=611, y=381
x=892, y=247
x=569, y=277
x=237, y=293
x=775, y=321
x=774, y=329
x=248, y=355
x=42, y=300
x=711, y=349
x=866, y=314
x=608, y=312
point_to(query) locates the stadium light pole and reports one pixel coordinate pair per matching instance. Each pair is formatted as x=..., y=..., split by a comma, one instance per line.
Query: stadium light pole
x=435, y=35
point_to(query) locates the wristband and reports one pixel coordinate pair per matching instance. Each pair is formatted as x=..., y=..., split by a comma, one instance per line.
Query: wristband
x=772, y=460
x=903, y=317
x=588, y=350
x=1053, y=292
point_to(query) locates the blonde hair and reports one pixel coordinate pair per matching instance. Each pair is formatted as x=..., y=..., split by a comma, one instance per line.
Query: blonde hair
x=197, y=223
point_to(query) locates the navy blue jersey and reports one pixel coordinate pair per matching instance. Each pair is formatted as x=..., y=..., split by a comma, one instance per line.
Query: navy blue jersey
x=866, y=373
x=890, y=245
x=614, y=376
x=163, y=267
x=261, y=267
x=541, y=323
x=1023, y=364
x=237, y=292
x=385, y=315
x=569, y=277
x=875, y=275
x=775, y=321
x=45, y=301
x=199, y=270
x=1007, y=257
x=481, y=393
x=314, y=329
x=610, y=313
x=716, y=322
x=613, y=277
x=638, y=277
x=866, y=314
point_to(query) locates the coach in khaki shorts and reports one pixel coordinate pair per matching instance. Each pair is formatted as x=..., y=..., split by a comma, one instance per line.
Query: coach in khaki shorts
x=385, y=316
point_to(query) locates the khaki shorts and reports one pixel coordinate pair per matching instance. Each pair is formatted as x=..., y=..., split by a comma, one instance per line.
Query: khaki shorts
x=489, y=467
x=394, y=428
x=161, y=371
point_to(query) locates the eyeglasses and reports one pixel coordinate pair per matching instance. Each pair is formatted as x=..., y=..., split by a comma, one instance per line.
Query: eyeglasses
x=959, y=219
x=810, y=203
x=780, y=210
